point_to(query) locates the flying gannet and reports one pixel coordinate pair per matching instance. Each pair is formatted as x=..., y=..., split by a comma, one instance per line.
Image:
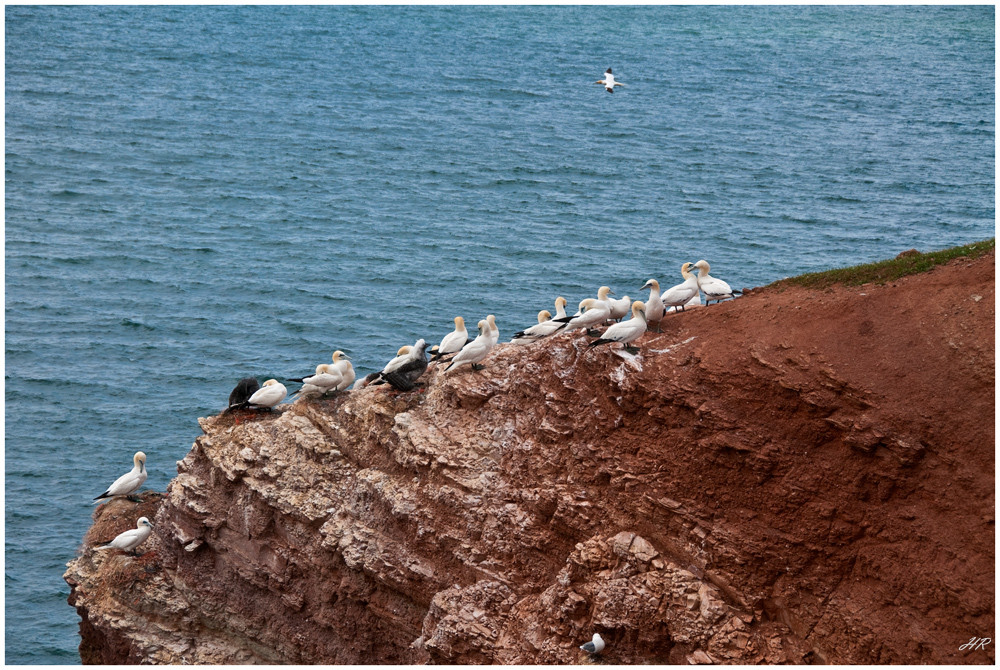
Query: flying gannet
x=595, y=646
x=654, y=306
x=476, y=350
x=269, y=395
x=609, y=81
x=453, y=342
x=626, y=331
x=715, y=289
x=128, y=482
x=678, y=295
x=130, y=539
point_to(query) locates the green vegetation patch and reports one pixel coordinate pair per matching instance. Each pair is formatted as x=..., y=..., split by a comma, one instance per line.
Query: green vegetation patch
x=907, y=263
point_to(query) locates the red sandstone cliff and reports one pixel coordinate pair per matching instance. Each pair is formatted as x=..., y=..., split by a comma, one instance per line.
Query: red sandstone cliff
x=795, y=475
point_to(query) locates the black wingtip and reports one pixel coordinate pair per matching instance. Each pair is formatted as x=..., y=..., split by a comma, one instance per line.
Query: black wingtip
x=103, y=495
x=596, y=342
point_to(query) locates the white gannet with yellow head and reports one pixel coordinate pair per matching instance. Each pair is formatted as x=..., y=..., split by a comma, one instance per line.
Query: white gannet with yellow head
x=545, y=327
x=654, y=306
x=476, y=350
x=491, y=321
x=128, y=482
x=342, y=364
x=592, y=313
x=130, y=539
x=715, y=289
x=626, y=331
x=270, y=394
x=453, y=342
x=678, y=295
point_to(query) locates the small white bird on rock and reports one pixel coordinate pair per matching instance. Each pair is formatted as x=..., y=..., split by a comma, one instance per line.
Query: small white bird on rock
x=270, y=394
x=626, y=331
x=678, y=295
x=715, y=289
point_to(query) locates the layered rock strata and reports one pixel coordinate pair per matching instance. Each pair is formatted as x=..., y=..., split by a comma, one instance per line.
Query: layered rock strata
x=794, y=476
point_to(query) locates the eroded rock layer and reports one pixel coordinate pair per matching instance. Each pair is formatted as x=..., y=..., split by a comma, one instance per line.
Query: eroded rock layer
x=799, y=476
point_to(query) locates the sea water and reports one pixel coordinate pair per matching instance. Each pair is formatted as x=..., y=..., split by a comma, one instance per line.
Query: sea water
x=196, y=194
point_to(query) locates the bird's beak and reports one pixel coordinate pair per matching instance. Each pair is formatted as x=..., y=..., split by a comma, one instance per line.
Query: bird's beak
x=612, y=293
x=644, y=286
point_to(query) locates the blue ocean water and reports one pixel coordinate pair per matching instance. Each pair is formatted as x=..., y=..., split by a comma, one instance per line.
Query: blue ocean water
x=194, y=194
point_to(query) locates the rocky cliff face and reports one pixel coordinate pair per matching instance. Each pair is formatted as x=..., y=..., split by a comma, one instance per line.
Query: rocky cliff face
x=801, y=476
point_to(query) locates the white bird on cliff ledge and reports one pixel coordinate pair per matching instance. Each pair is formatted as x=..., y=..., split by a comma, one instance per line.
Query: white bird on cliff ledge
x=595, y=646
x=269, y=395
x=130, y=539
x=128, y=482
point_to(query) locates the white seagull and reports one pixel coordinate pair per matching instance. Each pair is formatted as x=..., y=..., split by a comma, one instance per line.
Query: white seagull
x=654, y=306
x=453, y=342
x=130, y=539
x=476, y=350
x=595, y=646
x=128, y=482
x=609, y=81
x=678, y=295
x=269, y=395
x=626, y=331
x=715, y=289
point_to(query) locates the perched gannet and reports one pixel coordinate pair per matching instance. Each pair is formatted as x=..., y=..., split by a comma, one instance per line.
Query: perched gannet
x=402, y=356
x=678, y=295
x=453, y=342
x=365, y=381
x=693, y=302
x=595, y=646
x=654, y=306
x=130, y=539
x=592, y=313
x=609, y=81
x=545, y=326
x=245, y=388
x=404, y=377
x=269, y=395
x=342, y=363
x=620, y=307
x=715, y=289
x=476, y=350
x=626, y=331
x=130, y=481
x=327, y=378
x=494, y=331
x=560, y=307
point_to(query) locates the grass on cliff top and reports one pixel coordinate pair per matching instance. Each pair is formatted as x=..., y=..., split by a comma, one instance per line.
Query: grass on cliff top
x=907, y=263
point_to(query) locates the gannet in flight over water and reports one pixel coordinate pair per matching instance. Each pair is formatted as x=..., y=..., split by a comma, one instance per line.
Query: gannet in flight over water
x=130, y=539
x=130, y=481
x=609, y=81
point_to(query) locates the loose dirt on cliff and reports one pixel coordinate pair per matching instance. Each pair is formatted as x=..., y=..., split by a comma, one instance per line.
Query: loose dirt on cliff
x=797, y=475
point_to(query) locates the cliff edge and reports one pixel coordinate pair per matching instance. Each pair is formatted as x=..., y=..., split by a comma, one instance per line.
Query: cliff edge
x=793, y=476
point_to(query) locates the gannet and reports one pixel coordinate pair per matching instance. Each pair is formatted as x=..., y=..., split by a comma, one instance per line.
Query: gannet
x=626, y=331
x=130, y=539
x=592, y=313
x=494, y=331
x=342, y=363
x=402, y=356
x=365, y=381
x=327, y=378
x=595, y=646
x=609, y=81
x=245, y=388
x=453, y=342
x=560, y=307
x=404, y=377
x=130, y=481
x=680, y=294
x=269, y=395
x=620, y=307
x=476, y=350
x=715, y=289
x=654, y=306
x=545, y=326
x=693, y=302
